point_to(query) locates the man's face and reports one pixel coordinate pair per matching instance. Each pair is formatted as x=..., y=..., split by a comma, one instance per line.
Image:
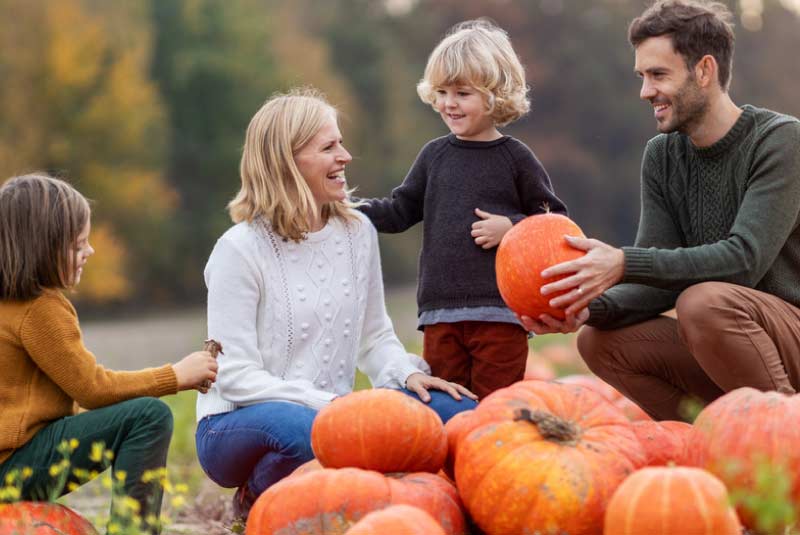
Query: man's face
x=679, y=104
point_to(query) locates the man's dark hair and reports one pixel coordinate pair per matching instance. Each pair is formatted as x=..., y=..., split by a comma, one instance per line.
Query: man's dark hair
x=696, y=27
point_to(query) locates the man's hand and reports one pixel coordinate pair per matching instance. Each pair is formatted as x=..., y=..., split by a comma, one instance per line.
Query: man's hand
x=419, y=383
x=587, y=277
x=490, y=229
x=546, y=324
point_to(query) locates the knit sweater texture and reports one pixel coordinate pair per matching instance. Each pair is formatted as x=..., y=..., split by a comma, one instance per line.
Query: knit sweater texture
x=449, y=179
x=47, y=372
x=295, y=320
x=729, y=212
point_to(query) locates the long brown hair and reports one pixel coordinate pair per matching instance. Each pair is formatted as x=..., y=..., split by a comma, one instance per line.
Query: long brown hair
x=41, y=218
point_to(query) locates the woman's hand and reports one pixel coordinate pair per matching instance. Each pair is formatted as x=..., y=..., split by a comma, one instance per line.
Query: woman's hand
x=419, y=383
x=193, y=369
x=490, y=229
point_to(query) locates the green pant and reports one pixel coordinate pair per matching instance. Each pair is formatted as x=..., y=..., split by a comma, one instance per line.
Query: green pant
x=137, y=431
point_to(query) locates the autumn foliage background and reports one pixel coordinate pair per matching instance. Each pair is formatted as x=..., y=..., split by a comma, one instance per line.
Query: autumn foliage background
x=143, y=105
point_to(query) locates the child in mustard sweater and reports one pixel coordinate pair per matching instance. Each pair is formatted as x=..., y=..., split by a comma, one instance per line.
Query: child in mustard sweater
x=48, y=373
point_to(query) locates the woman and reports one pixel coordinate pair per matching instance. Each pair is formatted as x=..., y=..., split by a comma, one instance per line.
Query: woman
x=295, y=297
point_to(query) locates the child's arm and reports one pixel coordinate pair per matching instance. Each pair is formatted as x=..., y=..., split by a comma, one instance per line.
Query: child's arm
x=404, y=208
x=535, y=189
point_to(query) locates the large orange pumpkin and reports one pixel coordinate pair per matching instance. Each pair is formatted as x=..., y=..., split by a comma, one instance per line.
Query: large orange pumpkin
x=663, y=442
x=544, y=457
x=671, y=500
x=379, y=429
x=746, y=432
x=532, y=245
x=397, y=520
x=326, y=501
x=42, y=518
x=453, y=429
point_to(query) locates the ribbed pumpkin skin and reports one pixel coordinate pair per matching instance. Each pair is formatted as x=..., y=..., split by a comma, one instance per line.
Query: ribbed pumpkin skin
x=453, y=429
x=671, y=500
x=42, y=518
x=748, y=427
x=628, y=407
x=513, y=480
x=380, y=430
x=664, y=441
x=397, y=520
x=327, y=501
x=322, y=502
x=532, y=245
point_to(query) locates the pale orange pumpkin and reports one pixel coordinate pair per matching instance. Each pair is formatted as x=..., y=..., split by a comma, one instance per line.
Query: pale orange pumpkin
x=746, y=432
x=42, y=518
x=544, y=457
x=663, y=442
x=379, y=429
x=397, y=520
x=671, y=500
x=628, y=407
x=532, y=245
x=326, y=501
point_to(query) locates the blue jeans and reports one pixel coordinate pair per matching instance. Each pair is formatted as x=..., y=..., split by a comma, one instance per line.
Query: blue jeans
x=261, y=444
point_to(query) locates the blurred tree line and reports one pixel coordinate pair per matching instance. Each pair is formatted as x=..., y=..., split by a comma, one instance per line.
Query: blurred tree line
x=143, y=105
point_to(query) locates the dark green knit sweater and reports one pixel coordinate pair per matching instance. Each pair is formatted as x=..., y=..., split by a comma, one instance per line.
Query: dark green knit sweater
x=728, y=213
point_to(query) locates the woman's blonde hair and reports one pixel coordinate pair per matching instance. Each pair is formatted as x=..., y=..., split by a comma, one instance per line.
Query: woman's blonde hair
x=41, y=218
x=478, y=53
x=272, y=185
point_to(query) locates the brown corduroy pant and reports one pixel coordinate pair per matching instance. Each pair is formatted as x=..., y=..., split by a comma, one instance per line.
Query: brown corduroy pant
x=725, y=337
x=480, y=355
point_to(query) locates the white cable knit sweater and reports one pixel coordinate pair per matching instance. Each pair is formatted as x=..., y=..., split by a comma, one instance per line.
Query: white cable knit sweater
x=296, y=319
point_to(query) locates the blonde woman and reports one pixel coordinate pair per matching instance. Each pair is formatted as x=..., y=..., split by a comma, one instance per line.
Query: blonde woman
x=471, y=186
x=295, y=297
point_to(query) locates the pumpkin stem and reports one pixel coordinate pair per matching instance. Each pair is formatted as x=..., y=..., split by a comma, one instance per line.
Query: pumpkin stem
x=550, y=427
x=546, y=207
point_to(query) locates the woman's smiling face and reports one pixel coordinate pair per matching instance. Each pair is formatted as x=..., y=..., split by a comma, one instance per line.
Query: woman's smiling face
x=322, y=161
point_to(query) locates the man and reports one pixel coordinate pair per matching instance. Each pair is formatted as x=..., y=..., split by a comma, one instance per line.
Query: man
x=718, y=237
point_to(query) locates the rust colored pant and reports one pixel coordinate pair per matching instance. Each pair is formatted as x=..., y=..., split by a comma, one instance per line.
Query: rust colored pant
x=481, y=355
x=725, y=337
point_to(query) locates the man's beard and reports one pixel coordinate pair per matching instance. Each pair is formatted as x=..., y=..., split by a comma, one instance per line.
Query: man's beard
x=689, y=106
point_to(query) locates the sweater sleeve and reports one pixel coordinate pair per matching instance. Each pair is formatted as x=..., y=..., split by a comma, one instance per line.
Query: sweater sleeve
x=767, y=215
x=627, y=304
x=404, y=207
x=52, y=337
x=381, y=355
x=534, y=187
x=235, y=290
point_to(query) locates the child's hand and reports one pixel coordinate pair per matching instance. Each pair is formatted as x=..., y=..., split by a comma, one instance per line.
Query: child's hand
x=192, y=370
x=490, y=229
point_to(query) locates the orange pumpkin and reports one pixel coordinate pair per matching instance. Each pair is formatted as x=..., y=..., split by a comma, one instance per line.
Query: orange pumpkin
x=453, y=429
x=670, y=500
x=532, y=245
x=397, y=520
x=628, y=407
x=538, y=368
x=663, y=442
x=379, y=429
x=42, y=518
x=746, y=432
x=544, y=457
x=325, y=501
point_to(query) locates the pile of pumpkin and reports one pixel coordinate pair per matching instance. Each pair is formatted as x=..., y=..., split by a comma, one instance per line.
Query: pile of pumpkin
x=538, y=457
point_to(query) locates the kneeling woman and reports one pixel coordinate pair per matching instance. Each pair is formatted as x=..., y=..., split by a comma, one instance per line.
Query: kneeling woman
x=295, y=297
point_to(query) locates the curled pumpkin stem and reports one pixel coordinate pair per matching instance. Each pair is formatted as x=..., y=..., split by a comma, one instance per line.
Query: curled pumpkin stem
x=550, y=427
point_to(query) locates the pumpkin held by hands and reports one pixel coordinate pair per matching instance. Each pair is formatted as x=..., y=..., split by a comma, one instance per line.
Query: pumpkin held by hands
x=532, y=245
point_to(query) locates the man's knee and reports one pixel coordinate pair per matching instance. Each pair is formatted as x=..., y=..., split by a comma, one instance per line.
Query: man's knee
x=700, y=309
x=592, y=346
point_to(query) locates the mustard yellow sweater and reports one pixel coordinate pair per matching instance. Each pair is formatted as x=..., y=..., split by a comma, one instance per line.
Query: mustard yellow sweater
x=46, y=372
